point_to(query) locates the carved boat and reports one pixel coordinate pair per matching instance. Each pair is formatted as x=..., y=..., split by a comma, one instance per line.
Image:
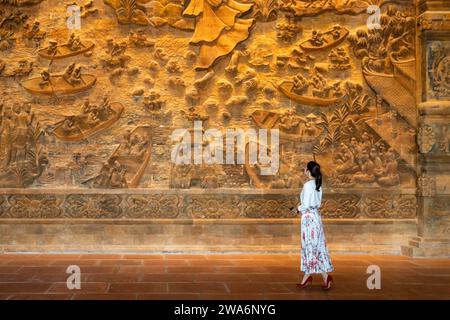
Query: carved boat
x=329, y=41
x=269, y=120
x=257, y=179
x=406, y=67
x=58, y=85
x=82, y=130
x=64, y=51
x=286, y=86
x=393, y=92
x=135, y=166
x=265, y=119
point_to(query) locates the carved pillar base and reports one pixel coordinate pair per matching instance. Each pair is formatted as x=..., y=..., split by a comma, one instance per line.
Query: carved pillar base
x=433, y=184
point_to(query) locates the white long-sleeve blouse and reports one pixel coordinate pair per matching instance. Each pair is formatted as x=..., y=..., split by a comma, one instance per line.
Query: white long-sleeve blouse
x=310, y=197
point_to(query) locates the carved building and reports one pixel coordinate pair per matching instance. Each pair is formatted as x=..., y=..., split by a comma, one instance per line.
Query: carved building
x=95, y=92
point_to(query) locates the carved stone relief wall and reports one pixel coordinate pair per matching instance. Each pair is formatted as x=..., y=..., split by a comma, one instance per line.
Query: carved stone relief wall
x=438, y=65
x=92, y=104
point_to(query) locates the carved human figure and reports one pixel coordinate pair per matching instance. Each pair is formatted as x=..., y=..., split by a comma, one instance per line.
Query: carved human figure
x=366, y=173
x=317, y=38
x=68, y=124
x=289, y=120
x=6, y=138
x=22, y=121
x=366, y=142
x=355, y=147
x=375, y=158
x=117, y=178
x=52, y=48
x=67, y=75
x=104, y=178
x=87, y=106
x=75, y=79
x=182, y=176
x=310, y=125
x=391, y=176
x=300, y=84
x=320, y=85
x=104, y=109
x=344, y=159
x=45, y=78
x=74, y=42
x=234, y=60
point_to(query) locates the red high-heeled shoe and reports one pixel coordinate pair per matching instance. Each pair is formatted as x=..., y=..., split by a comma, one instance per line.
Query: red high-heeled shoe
x=307, y=283
x=328, y=283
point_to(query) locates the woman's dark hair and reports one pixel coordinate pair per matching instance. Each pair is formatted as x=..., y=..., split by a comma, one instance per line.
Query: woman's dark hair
x=314, y=168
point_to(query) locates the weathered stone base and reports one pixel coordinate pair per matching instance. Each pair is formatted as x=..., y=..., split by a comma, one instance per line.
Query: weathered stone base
x=261, y=235
x=199, y=220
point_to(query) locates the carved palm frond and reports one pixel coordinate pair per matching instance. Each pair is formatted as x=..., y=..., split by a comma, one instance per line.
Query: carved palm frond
x=326, y=121
x=127, y=8
x=10, y=2
x=265, y=9
x=6, y=39
x=340, y=114
x=20, y=174
x=333, y=136
x=320, y=148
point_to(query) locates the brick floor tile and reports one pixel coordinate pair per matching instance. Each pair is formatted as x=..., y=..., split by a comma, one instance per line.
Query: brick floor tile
x=211, y=287
x=121, y=262
x=160, y=269
x=193, y=269
x=271, y=287
x=24, y=287
x=142, y=287
x=101, y=256
x=225, y=277
x=169, y=277
x=244, y=296
x=86, y=287
x=168, y=296
x=104, y=296
x=167, y=262
x=144, y=256
x=216, y=276
x=41, y=296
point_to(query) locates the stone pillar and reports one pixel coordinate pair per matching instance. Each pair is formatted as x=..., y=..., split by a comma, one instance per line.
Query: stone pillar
x=433, y=138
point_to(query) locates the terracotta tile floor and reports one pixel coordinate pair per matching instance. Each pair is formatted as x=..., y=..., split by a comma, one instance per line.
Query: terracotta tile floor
x=216, y=276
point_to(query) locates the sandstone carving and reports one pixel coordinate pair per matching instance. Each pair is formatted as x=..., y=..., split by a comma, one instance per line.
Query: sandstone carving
x=92, y=119
x=218, y=28
x=344, y=95
x=127, y=164
x=73, y=47
x=439, y=66
x=70, y=82
x=328, y=39
x=316, y=92
x=22, y=156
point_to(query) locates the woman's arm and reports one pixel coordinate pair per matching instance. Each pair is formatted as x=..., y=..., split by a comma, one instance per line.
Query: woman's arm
x=304, y=199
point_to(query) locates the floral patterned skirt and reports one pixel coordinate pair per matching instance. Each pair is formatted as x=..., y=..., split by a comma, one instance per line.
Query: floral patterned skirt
x=315, y=257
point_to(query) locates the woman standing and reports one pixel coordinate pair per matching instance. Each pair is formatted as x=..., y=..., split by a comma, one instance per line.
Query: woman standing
x=315, y=257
